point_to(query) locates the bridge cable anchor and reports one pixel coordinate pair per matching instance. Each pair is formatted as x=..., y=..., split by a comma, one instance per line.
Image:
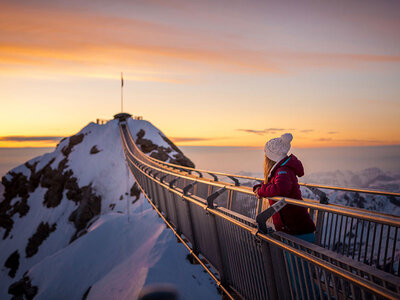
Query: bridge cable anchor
x=235, y=180
x=213, y=196
x=172, y=182
x=213, y=176
x=187, y=188
x=323, y=198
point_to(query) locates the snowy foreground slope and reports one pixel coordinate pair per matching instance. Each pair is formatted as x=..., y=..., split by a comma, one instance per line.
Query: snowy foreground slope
x=73, y=223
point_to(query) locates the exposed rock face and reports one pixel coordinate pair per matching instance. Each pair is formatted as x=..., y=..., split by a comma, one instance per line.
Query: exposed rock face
x=145, y=145
x=161, y=152
x=12, y=263
x=73, y=140
x=17, y=186
x=56, y=181
x=42, y=232
x=359, y=201
x=135, y=192
x=180, y=158
x=89, y=207
x=22, y=288
x=94, y=150
x=20, y=186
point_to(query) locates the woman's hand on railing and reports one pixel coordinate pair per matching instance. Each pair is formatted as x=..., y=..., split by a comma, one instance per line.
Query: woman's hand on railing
x=255, y=190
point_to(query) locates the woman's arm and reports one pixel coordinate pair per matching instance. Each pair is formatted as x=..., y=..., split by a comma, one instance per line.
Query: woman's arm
x=280, y=186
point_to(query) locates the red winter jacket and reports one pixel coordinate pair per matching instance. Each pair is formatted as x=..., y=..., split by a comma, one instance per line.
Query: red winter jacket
x=283, y=182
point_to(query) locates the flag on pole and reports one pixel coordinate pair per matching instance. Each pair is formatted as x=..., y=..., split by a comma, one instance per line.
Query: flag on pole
x=122, y=80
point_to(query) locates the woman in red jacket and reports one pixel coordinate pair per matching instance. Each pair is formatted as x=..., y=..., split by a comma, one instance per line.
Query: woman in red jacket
x=280, y=179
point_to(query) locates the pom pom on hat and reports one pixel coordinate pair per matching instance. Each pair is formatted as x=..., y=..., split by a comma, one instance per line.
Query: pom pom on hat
x=287, y=138
x=277, y=148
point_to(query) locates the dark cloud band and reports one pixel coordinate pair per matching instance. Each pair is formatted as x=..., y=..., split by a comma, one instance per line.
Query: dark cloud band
x=264, y=131
x=20, y=138
x=195, y=139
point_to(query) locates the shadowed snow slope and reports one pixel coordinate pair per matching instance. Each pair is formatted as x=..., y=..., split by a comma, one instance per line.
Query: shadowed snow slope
x=64, y=225
x=117, y=259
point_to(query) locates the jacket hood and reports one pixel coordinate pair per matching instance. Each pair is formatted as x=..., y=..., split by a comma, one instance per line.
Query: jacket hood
x=291, y=162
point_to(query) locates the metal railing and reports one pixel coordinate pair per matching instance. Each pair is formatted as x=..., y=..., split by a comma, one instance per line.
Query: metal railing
x=236, y=178
x=369, y=237
x=251, y=264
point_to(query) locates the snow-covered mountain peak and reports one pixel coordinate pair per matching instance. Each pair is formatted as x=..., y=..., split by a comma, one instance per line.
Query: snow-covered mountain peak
x=64, y=215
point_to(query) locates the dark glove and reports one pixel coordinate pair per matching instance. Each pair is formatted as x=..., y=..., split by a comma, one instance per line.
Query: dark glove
x=257, y=186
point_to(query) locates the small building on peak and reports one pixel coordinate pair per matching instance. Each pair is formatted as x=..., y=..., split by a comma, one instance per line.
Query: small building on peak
x=122, y=116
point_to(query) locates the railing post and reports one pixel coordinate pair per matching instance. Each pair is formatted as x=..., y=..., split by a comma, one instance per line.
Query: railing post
x=269, y=271
x=221, y=268
x=273, y=257
x=165, y=202
x=320, y=216
x=194, y=242
x=174, y=204
x=210, y=204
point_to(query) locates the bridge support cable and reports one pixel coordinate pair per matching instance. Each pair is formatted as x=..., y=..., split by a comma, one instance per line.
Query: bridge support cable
x=244, y=251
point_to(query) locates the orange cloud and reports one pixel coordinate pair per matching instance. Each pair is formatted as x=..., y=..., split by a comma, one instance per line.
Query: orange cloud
x=54, y=38
x=62, y=41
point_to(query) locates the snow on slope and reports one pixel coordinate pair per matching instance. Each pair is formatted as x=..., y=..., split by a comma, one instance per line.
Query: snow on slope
x=116, y=258
x=50, y=202
x=372, y=178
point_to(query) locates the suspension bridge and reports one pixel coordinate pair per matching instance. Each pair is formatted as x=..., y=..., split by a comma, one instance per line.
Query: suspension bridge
x=213, y=215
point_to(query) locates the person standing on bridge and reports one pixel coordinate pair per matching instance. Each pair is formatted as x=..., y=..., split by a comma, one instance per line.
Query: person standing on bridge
x=280, y=179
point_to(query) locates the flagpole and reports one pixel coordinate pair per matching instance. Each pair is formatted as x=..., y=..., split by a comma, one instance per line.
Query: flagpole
x=122, y=94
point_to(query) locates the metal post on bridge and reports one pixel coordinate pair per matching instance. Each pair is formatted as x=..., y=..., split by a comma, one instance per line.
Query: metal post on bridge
x=275, y=271
x=213, y=225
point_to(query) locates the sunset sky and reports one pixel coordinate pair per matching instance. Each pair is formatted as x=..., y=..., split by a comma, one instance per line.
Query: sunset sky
x=219, y=73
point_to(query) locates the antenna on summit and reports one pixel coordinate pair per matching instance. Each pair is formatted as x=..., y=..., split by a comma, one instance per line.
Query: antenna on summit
x=122, y=92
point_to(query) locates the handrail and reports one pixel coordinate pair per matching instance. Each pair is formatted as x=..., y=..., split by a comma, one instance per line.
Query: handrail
x=356, y=190
x=347, y=211
x=363, y=235
x=144, y=169
x=321, y=263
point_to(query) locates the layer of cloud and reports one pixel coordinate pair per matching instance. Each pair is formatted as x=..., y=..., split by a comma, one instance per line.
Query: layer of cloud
x=48, y=38
x=21, y=138
x=263, y=131
x=195, y=139
x=75, y=41
x=351, y=141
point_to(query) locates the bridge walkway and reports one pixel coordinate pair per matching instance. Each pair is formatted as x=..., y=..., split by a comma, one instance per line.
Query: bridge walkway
x=355, y=255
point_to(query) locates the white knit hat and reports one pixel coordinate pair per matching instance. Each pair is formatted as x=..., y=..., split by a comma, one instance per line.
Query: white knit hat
x=277, y=148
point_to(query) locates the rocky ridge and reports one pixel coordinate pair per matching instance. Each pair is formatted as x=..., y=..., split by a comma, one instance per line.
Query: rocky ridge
x=57, y=196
